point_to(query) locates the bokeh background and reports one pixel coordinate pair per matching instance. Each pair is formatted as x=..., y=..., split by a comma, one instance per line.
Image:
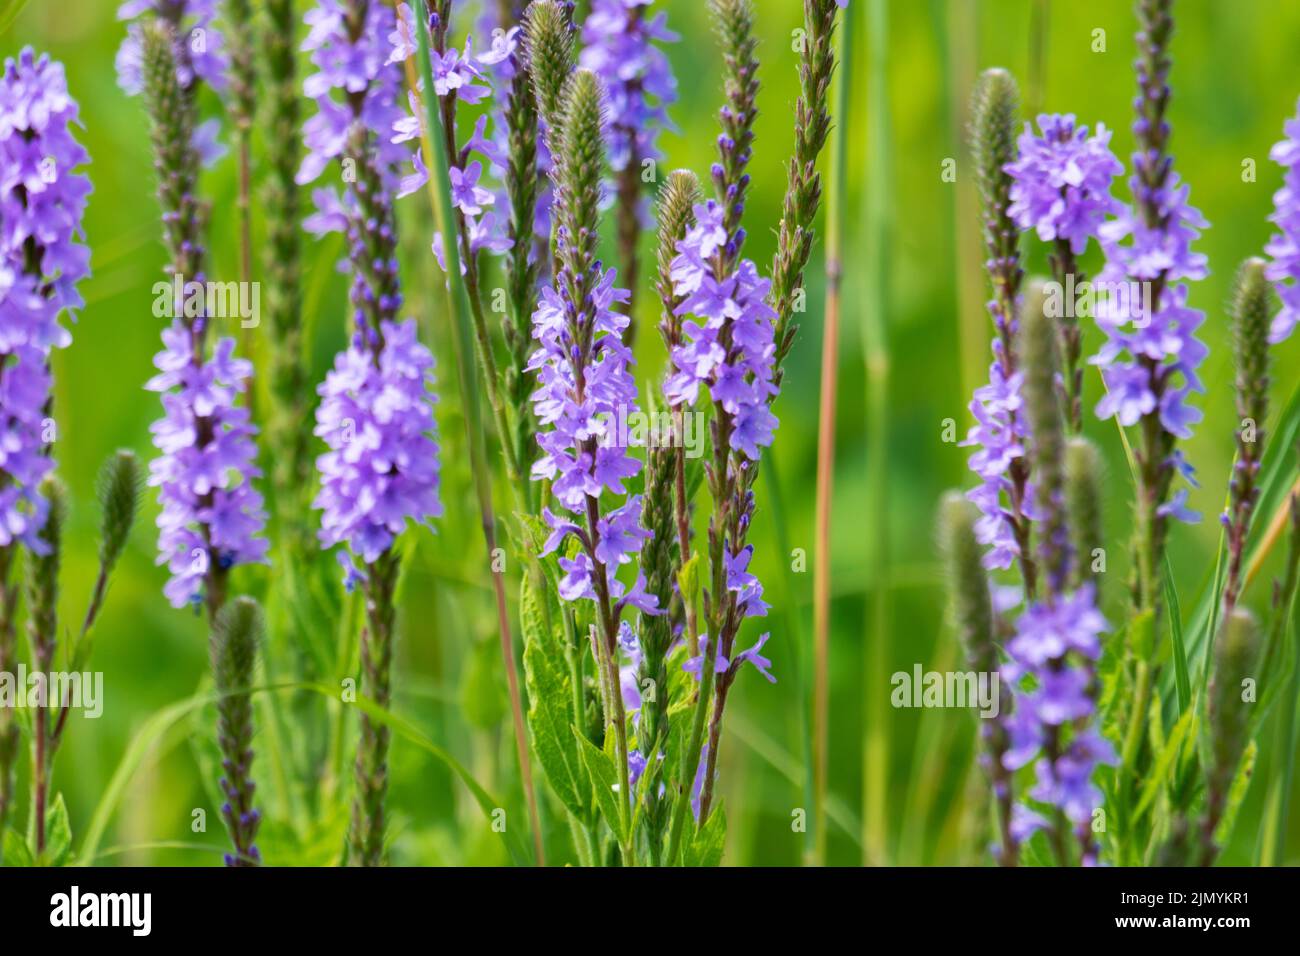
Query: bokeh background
x=904, y=788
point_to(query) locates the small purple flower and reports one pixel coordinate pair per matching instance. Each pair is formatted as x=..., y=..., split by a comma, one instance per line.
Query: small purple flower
x=1062, y=180
x=1051, y=677
x=761, y=663
x=1284, y=247
x=695, y=665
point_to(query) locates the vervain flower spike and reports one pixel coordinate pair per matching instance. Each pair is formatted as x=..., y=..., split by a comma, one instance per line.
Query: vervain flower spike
x=1284, y=247
x=1151, y=358
x=1004, y=496
x=212, y=515
x=1057, y=637
x=376, y=410
x=584, y=381
x=732, y=352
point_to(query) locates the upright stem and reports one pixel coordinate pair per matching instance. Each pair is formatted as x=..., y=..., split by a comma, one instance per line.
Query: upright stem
x=826, y=444
x=434, y=142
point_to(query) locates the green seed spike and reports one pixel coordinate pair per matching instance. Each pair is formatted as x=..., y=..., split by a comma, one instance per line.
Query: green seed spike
x=1043, y=411
x=118, y=487
x=675, y=214
x=1236, y=655
x=552, y=53
x=236, y=636
x=1083, y=471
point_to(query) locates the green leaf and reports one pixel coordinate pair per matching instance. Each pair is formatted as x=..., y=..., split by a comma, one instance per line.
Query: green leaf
x=688, y=580
x=604, y=780
x=1159, y=773
x=1182, y=677
x=15, y=851
x=705, y=847
x=1236, y=794
x=58, y=833
x=1142, y=635
x=550, y=696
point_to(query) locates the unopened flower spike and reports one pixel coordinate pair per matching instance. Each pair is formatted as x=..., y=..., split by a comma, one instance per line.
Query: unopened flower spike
x=972, y=611
x=236, y=638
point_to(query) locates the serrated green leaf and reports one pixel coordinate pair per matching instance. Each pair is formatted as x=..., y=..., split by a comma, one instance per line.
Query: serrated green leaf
x=15, y=851
x=705, y=846
x=550, y=692
x=58, y=834
x=604, y=780
x=1236, y=794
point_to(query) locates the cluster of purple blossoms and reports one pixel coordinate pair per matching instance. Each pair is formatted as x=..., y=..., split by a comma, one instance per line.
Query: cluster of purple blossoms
x=1061, y=180
x=580, y=394
x=619, y=48
x=376, y=416
x=470, y=78
x=42, y=201
x=999, y=434
x=1146, y=330
x=733, y=352
x=211, y=511
x=345, y=68
x=1051, y=675
x=200, y=57
x=1284, y=247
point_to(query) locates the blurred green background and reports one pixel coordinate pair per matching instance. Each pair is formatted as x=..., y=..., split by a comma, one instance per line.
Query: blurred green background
x=912, y=269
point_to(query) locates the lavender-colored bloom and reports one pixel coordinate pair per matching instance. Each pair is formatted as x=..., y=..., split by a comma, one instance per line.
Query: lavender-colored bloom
x=42, y=200
x=211, y=512
x=1151, y=357
x=376, y=416
x=572, y=417
x=1284, y=247
x=619, y=47
x=1052, y=652
x=1062, y=180
x=999, y=434
x=354, y=81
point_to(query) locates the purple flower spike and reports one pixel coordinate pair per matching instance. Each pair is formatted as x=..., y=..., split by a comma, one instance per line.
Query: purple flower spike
x=353, y=81
x=376, y=416
x=211, y=512
x=1284, y=247
x=42, y=201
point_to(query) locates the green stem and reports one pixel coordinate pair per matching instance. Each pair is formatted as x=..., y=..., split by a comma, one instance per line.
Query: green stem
x=460, y=306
